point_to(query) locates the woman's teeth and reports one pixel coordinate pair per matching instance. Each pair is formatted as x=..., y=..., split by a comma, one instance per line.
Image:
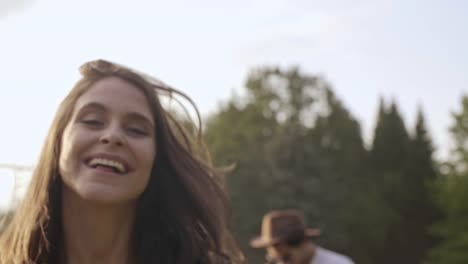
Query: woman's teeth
x=119, y=167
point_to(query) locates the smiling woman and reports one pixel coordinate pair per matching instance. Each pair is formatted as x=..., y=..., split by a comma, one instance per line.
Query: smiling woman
x=108, y=146
x=120, y=180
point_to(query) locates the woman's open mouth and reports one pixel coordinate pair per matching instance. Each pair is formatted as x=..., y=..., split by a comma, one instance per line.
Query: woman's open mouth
x=107, y=165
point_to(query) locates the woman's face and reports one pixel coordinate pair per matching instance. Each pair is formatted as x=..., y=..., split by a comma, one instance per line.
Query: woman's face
x=108, y=146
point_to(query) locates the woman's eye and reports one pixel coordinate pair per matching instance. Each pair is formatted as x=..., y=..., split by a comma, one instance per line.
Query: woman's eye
x=92, y=122
x=137, y=131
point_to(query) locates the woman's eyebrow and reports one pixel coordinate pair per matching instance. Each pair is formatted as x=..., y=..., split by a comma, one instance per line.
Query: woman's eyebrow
x=141, y=118
x=137, y=116
x=92, y=105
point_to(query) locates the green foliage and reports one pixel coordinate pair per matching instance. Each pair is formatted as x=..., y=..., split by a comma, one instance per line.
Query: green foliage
x=340, y=146
x=403, y=172
x=421, y=210
x=453, y=198
x=296, y=145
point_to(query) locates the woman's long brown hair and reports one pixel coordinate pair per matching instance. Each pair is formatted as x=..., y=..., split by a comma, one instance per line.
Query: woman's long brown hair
x=182, y=216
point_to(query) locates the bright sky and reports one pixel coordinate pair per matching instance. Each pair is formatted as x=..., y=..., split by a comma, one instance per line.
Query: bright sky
x=412, y=51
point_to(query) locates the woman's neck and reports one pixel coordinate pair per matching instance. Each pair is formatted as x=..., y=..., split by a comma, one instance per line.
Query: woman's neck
x=96, y=233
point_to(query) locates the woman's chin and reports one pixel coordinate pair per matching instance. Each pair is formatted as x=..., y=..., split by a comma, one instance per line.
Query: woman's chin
x=102, y=197
x=102, y=194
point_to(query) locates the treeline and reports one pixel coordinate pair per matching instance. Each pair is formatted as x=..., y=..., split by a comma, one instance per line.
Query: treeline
x=295, y=144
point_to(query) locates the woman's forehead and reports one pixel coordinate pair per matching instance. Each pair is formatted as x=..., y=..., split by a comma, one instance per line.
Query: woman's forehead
x=115, y=93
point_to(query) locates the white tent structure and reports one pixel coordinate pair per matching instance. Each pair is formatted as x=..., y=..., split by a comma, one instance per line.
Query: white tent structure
x=21, y=175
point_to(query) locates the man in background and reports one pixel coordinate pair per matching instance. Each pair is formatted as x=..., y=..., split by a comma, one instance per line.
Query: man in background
x=287, y=240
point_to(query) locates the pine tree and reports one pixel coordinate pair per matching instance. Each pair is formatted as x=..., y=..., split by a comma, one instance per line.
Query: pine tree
x=277, y=137
x=420, y=212
x=453, y=198
x=388, y=161
x=337, y=137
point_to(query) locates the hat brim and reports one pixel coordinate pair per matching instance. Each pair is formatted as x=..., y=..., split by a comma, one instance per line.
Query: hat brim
x=312, y=232
x=262, y=242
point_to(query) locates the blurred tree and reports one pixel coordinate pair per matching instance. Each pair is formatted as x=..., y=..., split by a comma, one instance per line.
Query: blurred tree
x=420, y=211
x=295, y=145
x=237, y=134
x=404, y=173
x=337, y=136
x=388, y=161
x=453, y=197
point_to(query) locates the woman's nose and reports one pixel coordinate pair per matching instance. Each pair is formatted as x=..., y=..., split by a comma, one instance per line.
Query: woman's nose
x=112, y=136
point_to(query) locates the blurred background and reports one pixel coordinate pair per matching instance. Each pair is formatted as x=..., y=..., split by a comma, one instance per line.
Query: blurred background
x=355, y=112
